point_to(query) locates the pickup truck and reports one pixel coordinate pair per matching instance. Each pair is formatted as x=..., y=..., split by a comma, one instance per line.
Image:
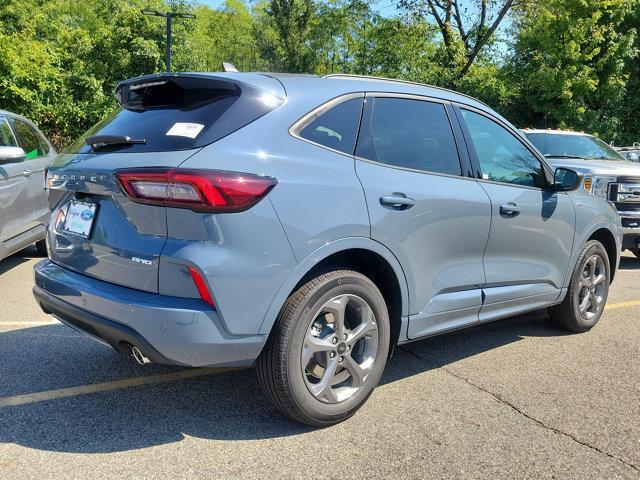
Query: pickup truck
x=606, y=173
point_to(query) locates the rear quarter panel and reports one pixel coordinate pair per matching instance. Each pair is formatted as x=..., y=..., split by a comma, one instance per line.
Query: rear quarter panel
x=318, y=199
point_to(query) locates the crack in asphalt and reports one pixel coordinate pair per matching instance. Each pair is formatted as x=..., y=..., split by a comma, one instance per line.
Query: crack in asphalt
x=526, y=415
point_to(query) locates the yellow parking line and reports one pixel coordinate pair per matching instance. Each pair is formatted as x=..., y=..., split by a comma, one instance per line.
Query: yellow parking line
x=632, y=303
x=106, y=386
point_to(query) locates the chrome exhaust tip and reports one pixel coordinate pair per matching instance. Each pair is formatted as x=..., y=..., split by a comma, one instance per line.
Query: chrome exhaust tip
x=139, y=356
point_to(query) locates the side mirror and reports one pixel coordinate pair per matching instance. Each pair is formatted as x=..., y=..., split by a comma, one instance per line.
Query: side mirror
x=565, y=180
x=633, y=157
x=11, y=155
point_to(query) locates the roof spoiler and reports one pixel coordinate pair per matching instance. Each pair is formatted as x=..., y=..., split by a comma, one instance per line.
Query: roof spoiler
x=169, y=89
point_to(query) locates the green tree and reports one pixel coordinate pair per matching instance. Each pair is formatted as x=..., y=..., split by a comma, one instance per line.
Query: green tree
x=568, y=67
x=285, y=30
x=466, y=27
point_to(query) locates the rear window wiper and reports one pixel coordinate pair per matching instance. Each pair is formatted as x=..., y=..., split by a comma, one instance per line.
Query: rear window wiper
x=101, y=141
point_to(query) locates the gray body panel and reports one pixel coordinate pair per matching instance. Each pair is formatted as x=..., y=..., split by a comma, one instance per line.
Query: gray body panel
x=24, y=208
x=534, y=246
x=439, y=241
x=457, y=262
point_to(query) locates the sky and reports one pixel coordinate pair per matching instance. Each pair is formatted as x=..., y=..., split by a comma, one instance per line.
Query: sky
x=385, y=7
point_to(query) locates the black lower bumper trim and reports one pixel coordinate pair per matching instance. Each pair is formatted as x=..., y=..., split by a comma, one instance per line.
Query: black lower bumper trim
x=115, y=334
x=630, y=240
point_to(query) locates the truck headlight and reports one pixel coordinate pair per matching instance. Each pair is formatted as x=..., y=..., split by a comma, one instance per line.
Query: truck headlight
x=598, y=185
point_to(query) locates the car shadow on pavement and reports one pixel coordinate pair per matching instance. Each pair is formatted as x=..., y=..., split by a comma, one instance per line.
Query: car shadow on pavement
x=225, y=406
x=18, y=258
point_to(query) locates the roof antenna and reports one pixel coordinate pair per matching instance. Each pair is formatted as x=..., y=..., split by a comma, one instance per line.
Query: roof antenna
x=229, y=67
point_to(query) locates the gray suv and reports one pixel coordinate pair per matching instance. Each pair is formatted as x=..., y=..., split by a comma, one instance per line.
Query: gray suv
x=307, y=225
x=24, y=208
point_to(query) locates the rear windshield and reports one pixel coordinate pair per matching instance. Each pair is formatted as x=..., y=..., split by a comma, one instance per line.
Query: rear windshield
x=173, y=118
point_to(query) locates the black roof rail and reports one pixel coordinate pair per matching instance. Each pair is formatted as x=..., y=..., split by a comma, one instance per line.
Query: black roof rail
x=406, y=82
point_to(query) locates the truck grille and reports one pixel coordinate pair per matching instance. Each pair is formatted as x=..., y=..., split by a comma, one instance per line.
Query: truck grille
x=625, y=195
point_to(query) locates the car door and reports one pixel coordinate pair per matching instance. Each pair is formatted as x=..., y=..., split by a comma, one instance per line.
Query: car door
x=424, y=208
x=37, y=152
x=532, y=227
x=15, y=208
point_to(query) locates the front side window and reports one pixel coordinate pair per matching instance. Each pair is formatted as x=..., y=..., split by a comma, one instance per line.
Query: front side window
x=336, y=128
x=29, y=140
x=6, y=137
x=408, y=133
x=503, y=158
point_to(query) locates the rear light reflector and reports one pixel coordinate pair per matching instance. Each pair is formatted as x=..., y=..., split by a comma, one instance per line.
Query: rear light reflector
x=201, y=286
x=199, y=190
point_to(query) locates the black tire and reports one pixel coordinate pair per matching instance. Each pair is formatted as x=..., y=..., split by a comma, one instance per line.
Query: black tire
x=568, y=314
x=41, y=247
x=281, y=375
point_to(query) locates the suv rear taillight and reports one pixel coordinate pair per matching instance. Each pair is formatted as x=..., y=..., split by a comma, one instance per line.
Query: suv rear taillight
x=199, y=190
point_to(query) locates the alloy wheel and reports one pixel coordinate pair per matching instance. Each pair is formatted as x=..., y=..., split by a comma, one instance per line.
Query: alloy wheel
x=592, y=287
x=339, y=348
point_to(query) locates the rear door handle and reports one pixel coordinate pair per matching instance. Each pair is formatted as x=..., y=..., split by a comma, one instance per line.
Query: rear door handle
x=397, y=201
x=26, y=172
x=510, y=210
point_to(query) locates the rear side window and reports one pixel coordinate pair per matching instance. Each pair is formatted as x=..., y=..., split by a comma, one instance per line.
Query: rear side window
x=336, y=128
x=6, y=137
x=33, y=145
x=408, y=133
x=180, y=114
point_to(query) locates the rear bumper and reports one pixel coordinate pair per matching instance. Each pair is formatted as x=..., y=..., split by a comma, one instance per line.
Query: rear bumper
x=172, y=330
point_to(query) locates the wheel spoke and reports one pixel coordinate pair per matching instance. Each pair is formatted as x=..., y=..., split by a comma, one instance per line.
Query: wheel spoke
x=585, y=282
x=313, y=345
x=585, y=303
x=592, y=268
x=594, y=301
x=599, y=279
x=323, y=389
x=367, y=325
x=357, y=372
x=336, y=308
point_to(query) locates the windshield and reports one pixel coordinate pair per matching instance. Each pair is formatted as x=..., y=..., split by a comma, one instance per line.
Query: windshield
x=579, y=146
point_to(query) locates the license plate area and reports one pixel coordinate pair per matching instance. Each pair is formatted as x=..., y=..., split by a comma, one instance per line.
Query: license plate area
x=80, y=218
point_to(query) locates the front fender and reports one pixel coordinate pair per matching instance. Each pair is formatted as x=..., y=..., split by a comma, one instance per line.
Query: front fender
x=328, y=249
x=592, y=214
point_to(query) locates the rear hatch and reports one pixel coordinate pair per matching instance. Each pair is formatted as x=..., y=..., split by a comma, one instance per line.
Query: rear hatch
x=95, y=228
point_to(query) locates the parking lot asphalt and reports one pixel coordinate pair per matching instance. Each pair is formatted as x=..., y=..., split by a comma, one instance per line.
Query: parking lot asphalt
x=513, y=399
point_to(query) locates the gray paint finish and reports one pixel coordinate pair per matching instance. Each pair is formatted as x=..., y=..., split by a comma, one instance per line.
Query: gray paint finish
x=24, y=208
x=456, y=260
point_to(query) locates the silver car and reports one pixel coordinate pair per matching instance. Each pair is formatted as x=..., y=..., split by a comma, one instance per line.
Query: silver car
x=306, y=225
x=24, y=155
